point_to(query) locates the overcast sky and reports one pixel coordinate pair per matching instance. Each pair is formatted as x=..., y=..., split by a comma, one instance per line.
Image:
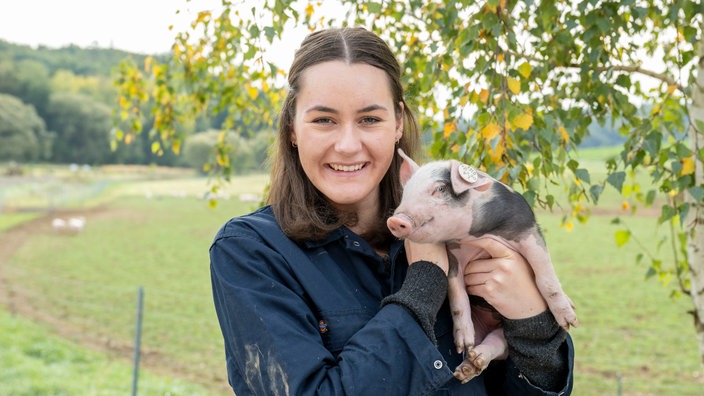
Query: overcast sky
x=140, y=26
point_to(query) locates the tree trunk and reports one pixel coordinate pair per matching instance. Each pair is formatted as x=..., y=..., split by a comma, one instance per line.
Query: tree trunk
x=695, y=239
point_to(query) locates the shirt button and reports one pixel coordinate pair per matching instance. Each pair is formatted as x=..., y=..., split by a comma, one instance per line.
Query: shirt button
x=355, y=243
x=437, y=364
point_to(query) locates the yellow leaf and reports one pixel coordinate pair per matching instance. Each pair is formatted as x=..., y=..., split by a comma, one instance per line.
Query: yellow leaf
x=484, y=95
x=156, y=147
x=221, y=160
x=524, y=69
x=463, y=100
x=253, y=92
x=564, y=136
x=455, y=148
x=625, y=206
x=497, y=153
x=147, y=63
x=202, y=16
x=514, y=85
x=128, y=138
x=176, y=147
x=687, y=166
x=524, y=120
x=490, y=131
x=568, y=225
x=309, y=10
x=671, y=88
x=449, y=128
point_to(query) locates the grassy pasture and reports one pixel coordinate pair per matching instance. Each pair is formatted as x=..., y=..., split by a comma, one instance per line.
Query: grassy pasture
x=35, y=361
x=154, y=232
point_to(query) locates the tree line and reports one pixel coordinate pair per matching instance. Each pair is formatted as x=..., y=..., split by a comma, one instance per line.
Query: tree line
x=59, y=106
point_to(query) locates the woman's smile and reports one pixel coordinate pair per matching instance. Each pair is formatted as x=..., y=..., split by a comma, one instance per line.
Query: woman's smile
x=347, y=168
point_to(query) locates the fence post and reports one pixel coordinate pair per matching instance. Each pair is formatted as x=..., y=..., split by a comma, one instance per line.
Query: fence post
x=137, y=339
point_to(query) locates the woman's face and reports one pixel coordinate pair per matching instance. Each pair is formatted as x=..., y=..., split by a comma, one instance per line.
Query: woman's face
x=346, y=129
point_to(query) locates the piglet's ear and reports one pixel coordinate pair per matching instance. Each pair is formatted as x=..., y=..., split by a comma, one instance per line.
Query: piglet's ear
x=464, y=177
x=408, y=167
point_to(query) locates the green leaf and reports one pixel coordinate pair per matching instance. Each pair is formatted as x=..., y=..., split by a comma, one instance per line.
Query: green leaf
x=595, y=192
x=583, y=175
x=270, y=33
x=667, y=212
x=616, y=179
x=622, y=237
x=697, y=192
x=374, y=8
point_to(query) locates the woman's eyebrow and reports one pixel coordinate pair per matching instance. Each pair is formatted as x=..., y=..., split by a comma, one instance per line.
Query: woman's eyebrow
x=372, y=108
x=322, y=108
x=325, y=109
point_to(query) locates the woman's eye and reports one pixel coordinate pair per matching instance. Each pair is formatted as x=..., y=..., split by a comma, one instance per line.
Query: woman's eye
x=369, y=120
x=322, y=121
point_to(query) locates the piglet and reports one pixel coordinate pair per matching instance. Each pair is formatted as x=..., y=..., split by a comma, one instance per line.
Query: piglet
x=451, y=202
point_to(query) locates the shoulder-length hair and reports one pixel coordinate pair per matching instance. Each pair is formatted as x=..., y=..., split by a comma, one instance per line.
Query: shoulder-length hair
x=302, y=211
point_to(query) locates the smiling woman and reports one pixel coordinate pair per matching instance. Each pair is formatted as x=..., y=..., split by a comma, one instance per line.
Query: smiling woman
x=314, y=294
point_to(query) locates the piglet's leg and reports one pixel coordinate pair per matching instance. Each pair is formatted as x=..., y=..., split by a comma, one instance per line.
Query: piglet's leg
x=461, y=312
x=494, y=346
x=535, y=251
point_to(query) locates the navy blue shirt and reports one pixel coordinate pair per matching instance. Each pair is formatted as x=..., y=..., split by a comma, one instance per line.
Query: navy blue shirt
x=304, y=319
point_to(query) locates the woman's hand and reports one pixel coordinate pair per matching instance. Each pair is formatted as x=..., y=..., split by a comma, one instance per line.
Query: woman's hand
x=436, y=253
x=505, y=281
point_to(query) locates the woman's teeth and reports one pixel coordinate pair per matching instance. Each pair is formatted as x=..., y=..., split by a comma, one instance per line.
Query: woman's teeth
x=347, y=168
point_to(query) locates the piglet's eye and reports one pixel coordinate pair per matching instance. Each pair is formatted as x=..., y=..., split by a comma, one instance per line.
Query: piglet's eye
x=440, y=189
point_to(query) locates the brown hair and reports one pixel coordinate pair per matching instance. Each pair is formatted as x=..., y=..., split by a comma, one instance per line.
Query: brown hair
x=301, y=210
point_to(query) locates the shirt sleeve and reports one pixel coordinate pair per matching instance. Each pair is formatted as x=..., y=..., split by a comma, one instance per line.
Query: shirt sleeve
x=541, y=357
x=273, y=343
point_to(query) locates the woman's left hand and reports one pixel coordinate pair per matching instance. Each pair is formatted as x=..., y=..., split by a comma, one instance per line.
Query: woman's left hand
x=505, y=281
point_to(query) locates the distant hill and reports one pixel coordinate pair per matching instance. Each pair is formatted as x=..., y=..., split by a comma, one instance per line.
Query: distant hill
x=80, y=61
x=602, y=136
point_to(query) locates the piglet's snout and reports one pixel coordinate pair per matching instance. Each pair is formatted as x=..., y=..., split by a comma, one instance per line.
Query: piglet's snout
x=400, y=225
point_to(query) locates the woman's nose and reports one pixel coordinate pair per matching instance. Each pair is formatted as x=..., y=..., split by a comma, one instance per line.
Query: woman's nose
x=349, y=139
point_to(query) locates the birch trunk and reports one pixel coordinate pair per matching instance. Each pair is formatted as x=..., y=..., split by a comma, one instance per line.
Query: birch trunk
x=695, y=239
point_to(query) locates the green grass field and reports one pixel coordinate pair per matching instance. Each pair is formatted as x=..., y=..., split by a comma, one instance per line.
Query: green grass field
x=81, y=291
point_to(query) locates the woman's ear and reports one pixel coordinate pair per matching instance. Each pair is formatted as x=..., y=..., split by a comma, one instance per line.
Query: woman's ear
x=399, y=122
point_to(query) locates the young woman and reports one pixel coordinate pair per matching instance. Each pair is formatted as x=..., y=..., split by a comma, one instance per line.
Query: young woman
x=314, y=295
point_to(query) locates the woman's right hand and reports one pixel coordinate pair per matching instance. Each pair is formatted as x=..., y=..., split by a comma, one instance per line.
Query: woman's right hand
x=435, y=253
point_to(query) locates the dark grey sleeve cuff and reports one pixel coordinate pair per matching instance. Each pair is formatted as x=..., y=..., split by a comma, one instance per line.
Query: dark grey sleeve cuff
x=534, y=347
x=422, y=293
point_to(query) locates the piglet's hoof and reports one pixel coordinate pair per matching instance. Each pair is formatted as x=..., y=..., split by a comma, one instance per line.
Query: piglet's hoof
x=472, y=366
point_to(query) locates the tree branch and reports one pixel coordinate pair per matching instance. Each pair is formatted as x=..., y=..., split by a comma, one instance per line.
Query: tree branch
x=637, y=69
x=629, y=69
